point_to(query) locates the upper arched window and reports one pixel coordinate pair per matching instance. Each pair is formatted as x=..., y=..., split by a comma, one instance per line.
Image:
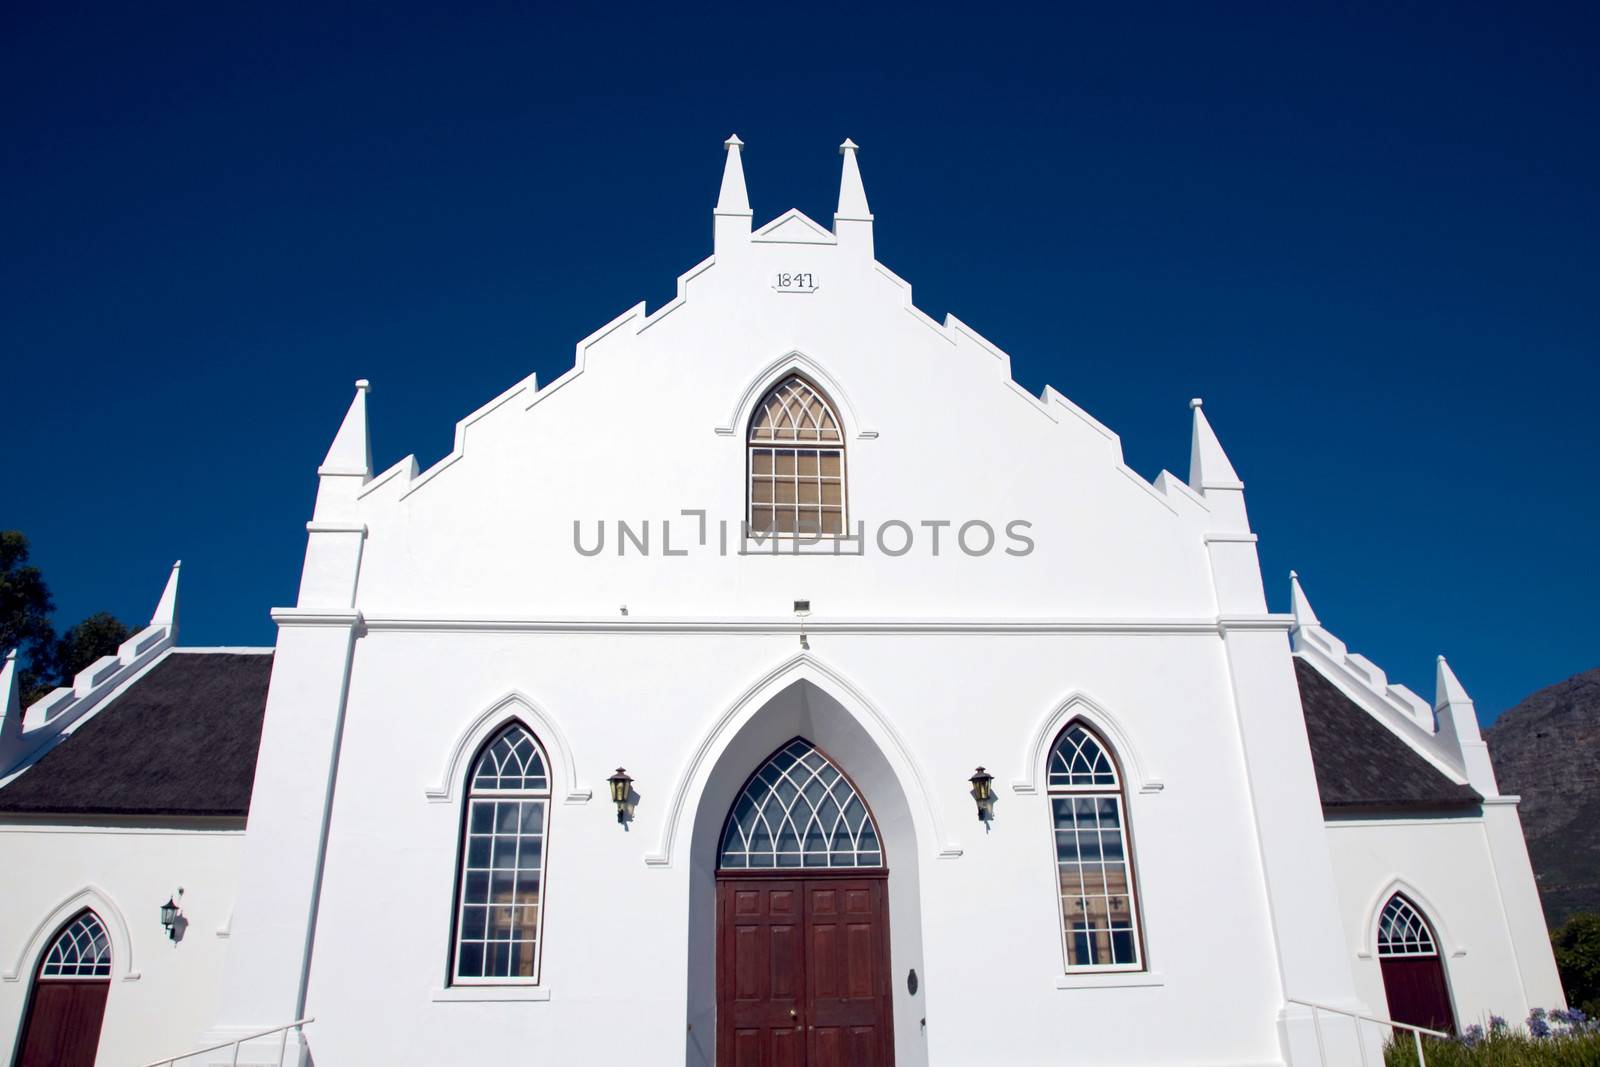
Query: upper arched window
x=81, y=950
x=796, y=448
x=499, y=908
x=1402, y=931
x=1094, y=867
x=799, y=810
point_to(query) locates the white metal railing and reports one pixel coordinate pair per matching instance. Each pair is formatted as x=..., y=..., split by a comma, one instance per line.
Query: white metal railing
x=283, y=1044
x=1322, y=1051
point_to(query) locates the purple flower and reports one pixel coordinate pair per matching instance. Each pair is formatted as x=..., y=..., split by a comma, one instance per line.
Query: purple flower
x=1536, y=1025
x=1472, y=1035
x=1497, y=1024
x=1576, y=1015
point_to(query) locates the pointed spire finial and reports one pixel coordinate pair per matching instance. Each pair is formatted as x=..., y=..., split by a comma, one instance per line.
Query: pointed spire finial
x=1458, y=720
x=351, y=451
x=166, y=613
x=1209, y=467
x=852, y=194
x=1299, y=605
x=10, y=694
x=1448, y=689
x=733, y=198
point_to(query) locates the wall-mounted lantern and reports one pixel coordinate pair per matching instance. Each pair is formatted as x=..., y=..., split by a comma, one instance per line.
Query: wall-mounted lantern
x=621, y=790
x=170, y=914
x=983, y=794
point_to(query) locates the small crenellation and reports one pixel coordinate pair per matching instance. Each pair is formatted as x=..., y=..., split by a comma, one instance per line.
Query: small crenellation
x=1402, y=710
x=25, y=734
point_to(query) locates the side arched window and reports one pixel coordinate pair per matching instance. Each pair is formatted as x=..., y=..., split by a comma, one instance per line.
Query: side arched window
x=1402, y=931
x=81, y=950
x=1094, y=865
x=796, y=463
x=500, y=892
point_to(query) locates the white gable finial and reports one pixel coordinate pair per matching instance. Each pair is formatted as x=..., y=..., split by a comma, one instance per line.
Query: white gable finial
x=10, y=697
x=1299, y=605
x=166, y=613
x=852, y=194
x=1458, y=721
x=1209, y=467
x=733, y=199
x=351, y=451
x=1448, y=688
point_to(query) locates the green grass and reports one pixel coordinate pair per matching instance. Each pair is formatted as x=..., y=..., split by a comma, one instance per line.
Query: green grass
x=1500, y=1050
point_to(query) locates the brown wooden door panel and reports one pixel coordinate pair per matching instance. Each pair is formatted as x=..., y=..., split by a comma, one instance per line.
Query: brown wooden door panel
x=63, y=1026
x=760, y=973
x=803, y=972
x=848, y=1001
x=1417, y=992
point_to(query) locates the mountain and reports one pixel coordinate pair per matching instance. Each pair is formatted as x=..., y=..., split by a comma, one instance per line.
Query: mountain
x=1547, y=750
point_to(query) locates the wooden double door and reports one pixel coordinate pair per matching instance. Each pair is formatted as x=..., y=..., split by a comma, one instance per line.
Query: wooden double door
x=803, y=971
x=62, y=1028
x=1417, y=992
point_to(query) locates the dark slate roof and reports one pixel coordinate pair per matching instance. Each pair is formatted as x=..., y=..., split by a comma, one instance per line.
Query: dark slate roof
x=181, y=740
x=1361, y=763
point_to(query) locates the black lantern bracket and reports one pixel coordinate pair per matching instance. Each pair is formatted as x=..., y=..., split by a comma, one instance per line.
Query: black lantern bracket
x=172, y=916
x=982, y=783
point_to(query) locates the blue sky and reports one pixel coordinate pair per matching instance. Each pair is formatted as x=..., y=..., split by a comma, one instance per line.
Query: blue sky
x=1367, y=236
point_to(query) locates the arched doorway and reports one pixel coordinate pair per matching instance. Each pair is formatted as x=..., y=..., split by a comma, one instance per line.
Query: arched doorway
x=1413, y=973
x=802, y=968
x=68, y=1001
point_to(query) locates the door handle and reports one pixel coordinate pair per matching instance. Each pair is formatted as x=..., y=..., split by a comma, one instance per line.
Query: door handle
x=793, y=1014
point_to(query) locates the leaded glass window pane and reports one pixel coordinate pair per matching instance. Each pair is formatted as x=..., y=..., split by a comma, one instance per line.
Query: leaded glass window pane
x=796, y=487
x=81, y=950
x=1099, y=912
x=1079, y=759
x=500, y=908
x=1402, y=931
x=799, y=810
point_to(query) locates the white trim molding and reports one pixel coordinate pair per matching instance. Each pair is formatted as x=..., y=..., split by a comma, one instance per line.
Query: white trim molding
x=802, y=667
x=1112, y=980
x=513, y=705
x=479, y=994
x=1079, y=705
x=95, y=899
x=417, y=622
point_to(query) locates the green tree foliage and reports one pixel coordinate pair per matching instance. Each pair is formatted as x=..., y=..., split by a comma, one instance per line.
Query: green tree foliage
x=25, y=608
x=44, y=660
x=98, y=635
x=1577, y=945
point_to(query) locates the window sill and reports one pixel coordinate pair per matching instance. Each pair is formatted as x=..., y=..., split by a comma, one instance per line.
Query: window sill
x=479, y=993
x=781, y=545
x=1112, y=980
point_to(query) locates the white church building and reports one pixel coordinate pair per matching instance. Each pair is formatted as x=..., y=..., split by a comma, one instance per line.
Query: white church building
x=948, y=739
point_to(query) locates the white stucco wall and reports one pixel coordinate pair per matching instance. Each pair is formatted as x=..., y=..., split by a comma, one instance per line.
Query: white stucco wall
x=991, y=953
x=162, y=993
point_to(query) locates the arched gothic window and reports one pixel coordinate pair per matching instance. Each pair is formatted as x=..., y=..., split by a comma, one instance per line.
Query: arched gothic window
x=1402, y=931
x=796, y=448
x=1094, y=865
x=799, y=810
x=500, y=894
x=81, y=950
